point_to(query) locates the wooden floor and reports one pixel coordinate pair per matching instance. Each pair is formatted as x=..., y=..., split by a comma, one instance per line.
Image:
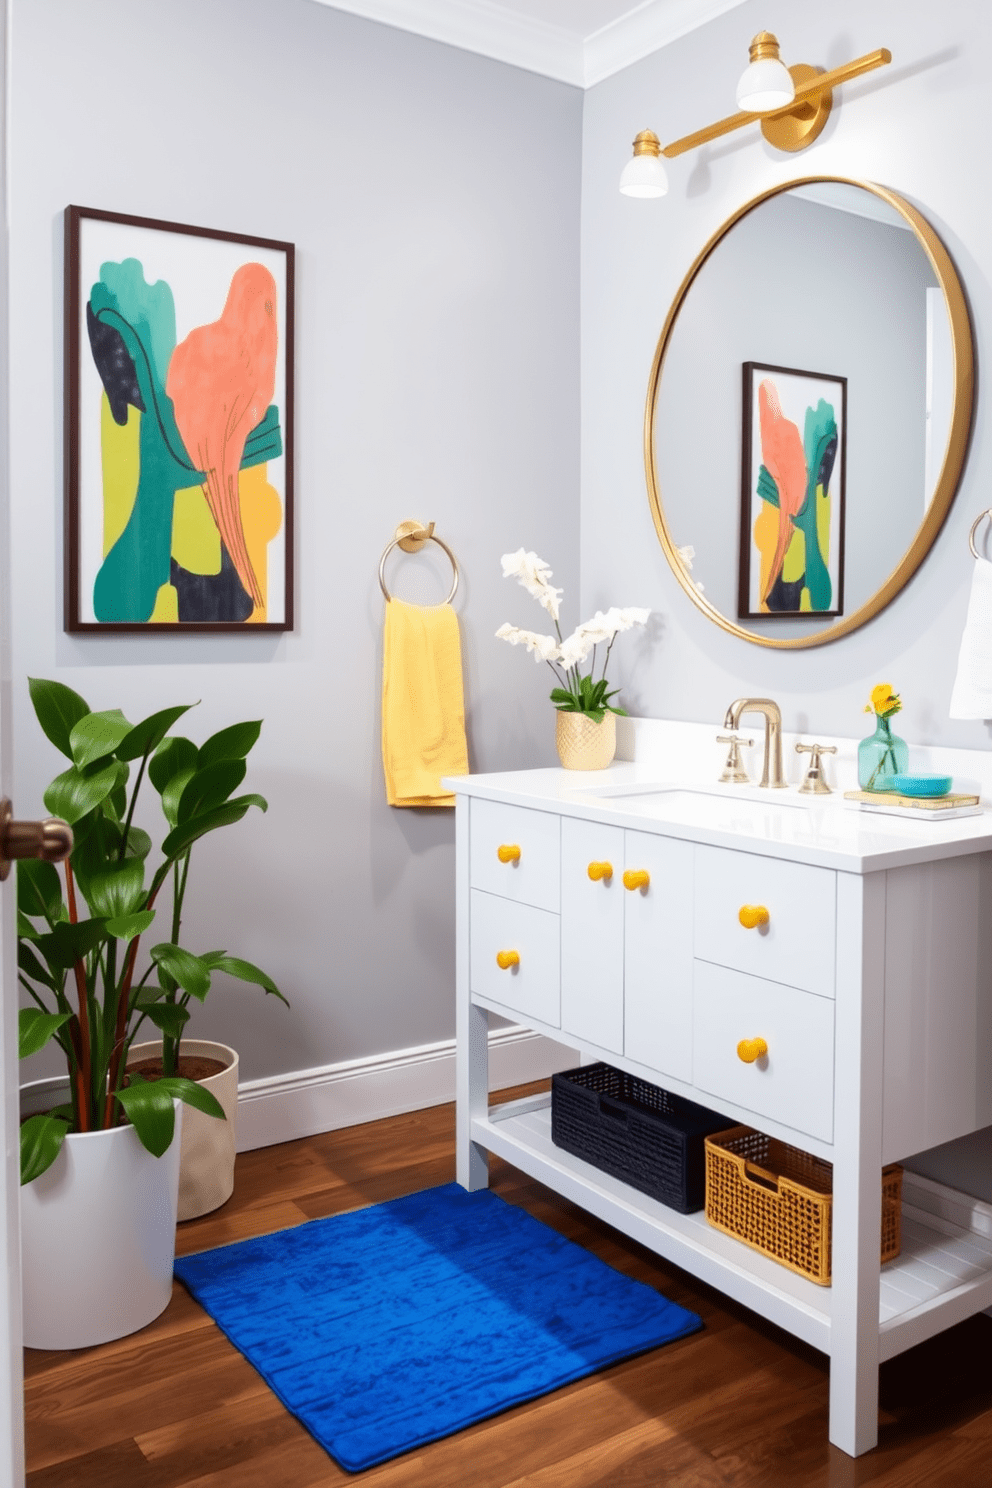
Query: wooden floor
x=736, y=1405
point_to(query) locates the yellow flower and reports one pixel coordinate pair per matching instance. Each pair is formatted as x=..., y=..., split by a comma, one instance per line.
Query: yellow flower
x=884, y=701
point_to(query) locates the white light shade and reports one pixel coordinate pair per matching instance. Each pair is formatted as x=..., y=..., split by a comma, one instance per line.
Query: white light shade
x=644, y=176
x=765, y=85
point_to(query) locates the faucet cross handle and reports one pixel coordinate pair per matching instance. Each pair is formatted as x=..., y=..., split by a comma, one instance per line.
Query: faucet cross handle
x=734, y=772
x=814, y=784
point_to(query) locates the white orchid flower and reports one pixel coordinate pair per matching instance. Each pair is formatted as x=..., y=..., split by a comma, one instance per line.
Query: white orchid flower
x=575, y=649
x=601, y=627
x=687, y=554
x=629, y=618
x=542, y=647
x=533, y=573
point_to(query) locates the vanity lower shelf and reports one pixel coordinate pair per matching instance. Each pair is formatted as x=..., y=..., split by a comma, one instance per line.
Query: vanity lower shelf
x=943, y=1275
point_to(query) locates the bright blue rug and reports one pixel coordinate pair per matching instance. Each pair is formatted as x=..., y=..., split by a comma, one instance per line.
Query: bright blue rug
x=393, y=1326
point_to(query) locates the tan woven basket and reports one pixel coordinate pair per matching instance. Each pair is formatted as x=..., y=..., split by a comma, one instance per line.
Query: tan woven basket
x=778, y=1199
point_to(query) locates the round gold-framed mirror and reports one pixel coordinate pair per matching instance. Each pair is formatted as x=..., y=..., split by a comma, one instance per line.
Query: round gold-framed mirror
x=809, y=410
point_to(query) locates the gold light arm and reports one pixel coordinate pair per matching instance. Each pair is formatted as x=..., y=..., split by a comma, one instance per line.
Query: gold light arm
x=807, y=92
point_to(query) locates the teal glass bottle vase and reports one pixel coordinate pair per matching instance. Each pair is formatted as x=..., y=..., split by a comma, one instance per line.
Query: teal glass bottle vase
x=880, y=756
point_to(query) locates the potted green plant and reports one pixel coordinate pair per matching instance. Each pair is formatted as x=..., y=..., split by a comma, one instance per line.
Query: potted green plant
x=82, y=974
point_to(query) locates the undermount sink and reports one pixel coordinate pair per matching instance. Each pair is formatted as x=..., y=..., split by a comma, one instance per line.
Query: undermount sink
x=651, y=795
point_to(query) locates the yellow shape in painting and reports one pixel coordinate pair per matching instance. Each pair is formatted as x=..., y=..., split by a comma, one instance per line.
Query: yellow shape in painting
x=823, y=522
x=794, y=563
x=805, y=601
x=195, y=539
x=166, y=611
x=121, y=461
x=261, y=518
x=765, y=540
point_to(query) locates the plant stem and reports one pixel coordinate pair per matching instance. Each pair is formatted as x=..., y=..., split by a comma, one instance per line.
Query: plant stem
x=84, y=1069
x=117, y=1057
x=130, y=809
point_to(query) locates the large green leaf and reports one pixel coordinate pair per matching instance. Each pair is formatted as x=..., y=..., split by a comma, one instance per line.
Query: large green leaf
x=139, y=844
x=172, y=794
x=32, y=968
x=35, y=1028
x=182, y=837
x=58, y=710
x=97, y=735
x=66, y=944
x=41, y=1143
x=231, y=743
x=126, y=927
x=118, y=888
x=169, y=1017
x=192, y=1094
x=209, y=788
x=150, y=1111
x=149, y=733
x=39, y=889
x=72, y=794
x=171, y=756
x=244, y=971
x=185, y=969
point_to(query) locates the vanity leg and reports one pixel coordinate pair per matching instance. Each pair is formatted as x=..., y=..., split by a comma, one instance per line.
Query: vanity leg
x=857, y=1203
x=471, y=1029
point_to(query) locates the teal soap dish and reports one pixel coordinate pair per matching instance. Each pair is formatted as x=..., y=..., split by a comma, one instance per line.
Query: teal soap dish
x=920, y=785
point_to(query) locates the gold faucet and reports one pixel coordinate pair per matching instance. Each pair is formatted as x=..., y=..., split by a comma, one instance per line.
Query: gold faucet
x=772, y=774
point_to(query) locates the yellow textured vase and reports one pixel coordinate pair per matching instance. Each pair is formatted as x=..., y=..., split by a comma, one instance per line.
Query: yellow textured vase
x=583, y=744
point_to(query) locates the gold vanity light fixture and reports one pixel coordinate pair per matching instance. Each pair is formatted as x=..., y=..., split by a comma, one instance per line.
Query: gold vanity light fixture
x=791, y=104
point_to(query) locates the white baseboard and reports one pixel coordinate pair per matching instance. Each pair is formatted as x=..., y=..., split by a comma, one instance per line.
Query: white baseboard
x=301, y=1104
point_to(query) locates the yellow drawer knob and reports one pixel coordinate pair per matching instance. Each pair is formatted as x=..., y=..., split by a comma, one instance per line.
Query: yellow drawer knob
x=636, y=878
x=753, y=915
x=600, y=870
x=749, y=1050
x=506, y=959
x=508, y=852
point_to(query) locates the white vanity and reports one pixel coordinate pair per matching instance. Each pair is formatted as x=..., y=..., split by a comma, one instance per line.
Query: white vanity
x=869, y=983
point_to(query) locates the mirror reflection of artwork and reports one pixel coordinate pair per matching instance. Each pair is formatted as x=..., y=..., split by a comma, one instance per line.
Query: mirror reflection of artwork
x=792, y=514
x=178, y=429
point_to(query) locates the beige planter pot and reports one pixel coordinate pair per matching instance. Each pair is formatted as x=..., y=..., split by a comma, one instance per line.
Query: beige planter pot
x=206, y=1159
x=582, y=744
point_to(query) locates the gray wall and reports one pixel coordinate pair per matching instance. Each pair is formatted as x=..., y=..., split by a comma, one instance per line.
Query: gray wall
x=798, y=284
x=433, y=197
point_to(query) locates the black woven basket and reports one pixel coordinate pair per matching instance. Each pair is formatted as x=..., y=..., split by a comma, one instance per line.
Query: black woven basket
x=634, y=1131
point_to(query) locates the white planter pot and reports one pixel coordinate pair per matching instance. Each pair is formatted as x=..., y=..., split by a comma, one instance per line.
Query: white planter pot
x=98, y=1233
x=206, y=1163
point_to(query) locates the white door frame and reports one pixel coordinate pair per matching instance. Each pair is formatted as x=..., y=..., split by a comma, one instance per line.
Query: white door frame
x=11, y=1351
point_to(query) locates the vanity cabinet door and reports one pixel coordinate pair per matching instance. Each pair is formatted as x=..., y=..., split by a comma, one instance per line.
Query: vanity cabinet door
x=514, y=956
x=796, y=943
x=793, y=1081
x=658, y=963
x=514, y=852
x=592, y=932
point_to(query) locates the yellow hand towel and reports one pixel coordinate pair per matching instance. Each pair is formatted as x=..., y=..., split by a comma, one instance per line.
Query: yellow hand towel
x=423, y=707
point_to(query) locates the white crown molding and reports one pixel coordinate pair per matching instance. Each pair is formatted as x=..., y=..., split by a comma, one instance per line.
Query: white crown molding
x=483, y=27
x=492, y=30
x=643, y=30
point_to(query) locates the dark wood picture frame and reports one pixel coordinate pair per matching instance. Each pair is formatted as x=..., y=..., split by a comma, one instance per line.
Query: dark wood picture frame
x=241, y=339
x=829, y=571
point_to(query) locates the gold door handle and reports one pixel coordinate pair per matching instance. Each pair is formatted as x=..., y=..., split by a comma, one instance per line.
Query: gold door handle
x=636, y=878
x=748, y=1050
x=506, y=959
x=508, y=852
x=753, y=915
x=50, y=840
x=598, y=871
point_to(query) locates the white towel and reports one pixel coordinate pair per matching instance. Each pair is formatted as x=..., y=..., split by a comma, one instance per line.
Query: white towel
x=972, y=695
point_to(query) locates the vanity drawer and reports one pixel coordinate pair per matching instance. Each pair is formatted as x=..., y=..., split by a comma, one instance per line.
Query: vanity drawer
x=531, y=843
x=532, y=985
x=793, y=1083
x=796, y=944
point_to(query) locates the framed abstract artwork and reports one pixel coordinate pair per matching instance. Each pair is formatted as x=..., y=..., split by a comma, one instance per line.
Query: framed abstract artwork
x=178, y=427
x=792, y=494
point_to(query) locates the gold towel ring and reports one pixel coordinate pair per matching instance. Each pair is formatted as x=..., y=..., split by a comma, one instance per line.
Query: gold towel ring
x=411, y=536
x=974, y=528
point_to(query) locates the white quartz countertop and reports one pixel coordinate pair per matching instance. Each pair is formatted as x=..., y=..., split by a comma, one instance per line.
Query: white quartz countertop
x=823, y=830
